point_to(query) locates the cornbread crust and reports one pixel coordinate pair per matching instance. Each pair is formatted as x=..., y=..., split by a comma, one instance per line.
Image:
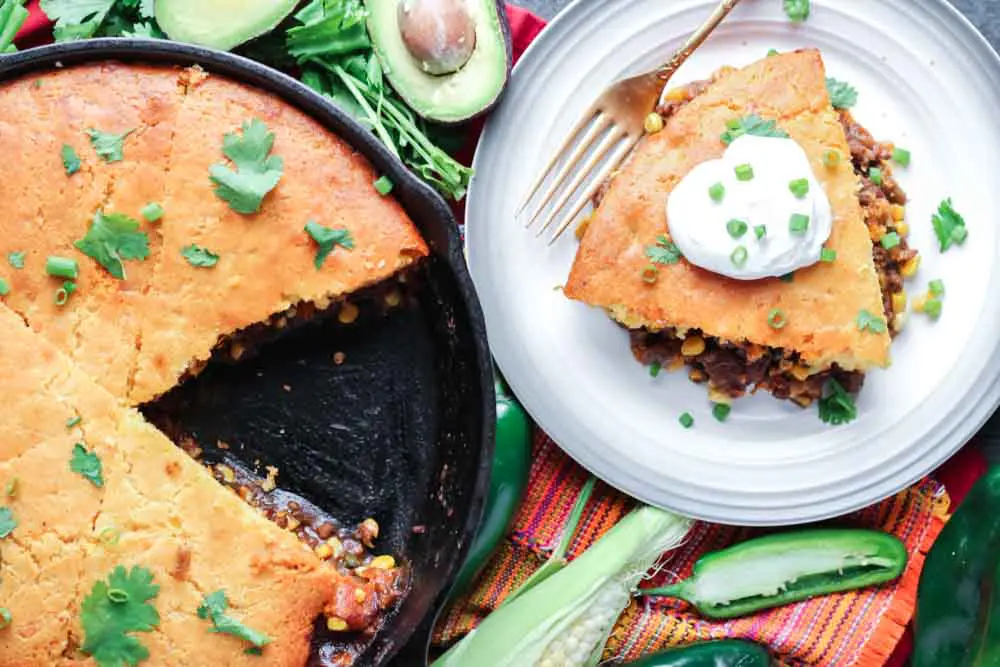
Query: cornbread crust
x=821, y=304
x=138, y=337
x=162, y=503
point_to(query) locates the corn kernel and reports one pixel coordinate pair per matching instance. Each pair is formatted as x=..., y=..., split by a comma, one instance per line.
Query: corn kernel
x=348, y=313
x=800, y=373
x=697, y=375
x=802, y=401
x=581, y=229
x=899, y=321
x=653, y=123
x=902, y=229
x=383, y=562
x=876, y=232
x=324, y=551
x=919, y=303
x=293, y=523
x=392, y=298
x=693, y=346
x=676, y=94
x=910, y=268
x=899, y=301
x=716, y=396
x=898, y=212
x=228, y=476
x=359, y=595
x=336, y=624
x=336, y=546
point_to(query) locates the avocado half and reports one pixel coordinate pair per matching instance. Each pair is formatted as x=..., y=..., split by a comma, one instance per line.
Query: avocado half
x=447, y=98
x=220, y=24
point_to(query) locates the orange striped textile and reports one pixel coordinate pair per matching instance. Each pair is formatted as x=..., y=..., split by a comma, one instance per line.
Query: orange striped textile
x=857, y=629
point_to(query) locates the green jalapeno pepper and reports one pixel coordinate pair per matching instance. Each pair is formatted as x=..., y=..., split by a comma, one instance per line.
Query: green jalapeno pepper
x=783, y=568
x=958, y=600
x=722, y=653
x=508, y=480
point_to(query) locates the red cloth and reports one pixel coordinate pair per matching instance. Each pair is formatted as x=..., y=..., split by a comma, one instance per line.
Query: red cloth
x=958, y=474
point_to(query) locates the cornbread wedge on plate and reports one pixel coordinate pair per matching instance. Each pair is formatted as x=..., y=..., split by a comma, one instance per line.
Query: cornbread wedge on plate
x=138, y=333
x=788, y=335
x=64, y=528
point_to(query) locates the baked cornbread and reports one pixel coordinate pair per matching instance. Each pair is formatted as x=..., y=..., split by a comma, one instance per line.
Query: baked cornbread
x=821, y=304
x=140, y=335
x=165, y=510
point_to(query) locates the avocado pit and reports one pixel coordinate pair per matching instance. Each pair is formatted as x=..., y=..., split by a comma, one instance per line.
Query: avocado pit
x=439, y=34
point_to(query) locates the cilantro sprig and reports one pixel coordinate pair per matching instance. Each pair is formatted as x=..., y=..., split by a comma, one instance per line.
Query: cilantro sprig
x=114, y=237
x=949, y=226
x=199, y=256
x=109, y=147
x=80, y=19
x=257, y=171
x=7, y=522
x=797, y=10
x=113, y=610
x=87, y=464
x=664, y=252
x=842, y=94
x=327, y=239
x=71, y=161
x=837, y=406
x=213, y=608
x=752, y=124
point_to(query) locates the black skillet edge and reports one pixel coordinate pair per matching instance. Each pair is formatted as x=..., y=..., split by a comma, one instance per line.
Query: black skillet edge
x=419, y=199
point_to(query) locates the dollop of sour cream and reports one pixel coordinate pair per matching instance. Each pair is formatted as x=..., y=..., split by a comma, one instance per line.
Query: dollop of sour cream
x=757, y=212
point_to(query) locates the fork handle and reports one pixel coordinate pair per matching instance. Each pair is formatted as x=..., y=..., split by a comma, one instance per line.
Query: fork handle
x=696, y=39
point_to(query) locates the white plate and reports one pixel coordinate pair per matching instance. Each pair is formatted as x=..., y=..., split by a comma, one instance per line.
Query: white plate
x=929, y=82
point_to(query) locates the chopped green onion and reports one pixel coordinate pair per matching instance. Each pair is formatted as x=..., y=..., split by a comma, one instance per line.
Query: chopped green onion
x=772, y=52
x=744, y=172
x=64, y=293
x=383, y=185
x=799, y=187
x=62, y=267
x=717, y=192
x=798, y=223
x=10, y=489
x=760, y=231
x=655, y=369
x=739, y=256
x=686, y=420
x=736, y=228
x=827, y=255
x=889, y=240
x=936, y=287
x=73, y=421
x=776, y=319
x=933, y=307
x=831, y=158
x=152, y=212
x=16, y=259
x=5, y=618
x=901, y=156
x=788, y=277
x=872, y=323
x=875, y=175
x=650, y=274
x=721, y=411
x=4, y=287
x=109, y=536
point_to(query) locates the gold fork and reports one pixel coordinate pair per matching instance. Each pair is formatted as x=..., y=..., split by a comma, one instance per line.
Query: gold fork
x=616, y=123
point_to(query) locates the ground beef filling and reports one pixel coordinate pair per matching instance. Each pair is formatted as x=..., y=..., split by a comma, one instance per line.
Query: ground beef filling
x=733, y=369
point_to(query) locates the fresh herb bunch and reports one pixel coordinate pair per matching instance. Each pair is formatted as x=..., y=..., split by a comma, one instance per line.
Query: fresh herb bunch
x=326, y=43
x=12, y=17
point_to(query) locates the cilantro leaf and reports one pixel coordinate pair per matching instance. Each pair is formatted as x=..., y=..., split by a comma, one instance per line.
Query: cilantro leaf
x=112, y=238
x=71, y=161
x=144, y=30
x=7, y=522
x=16, y=259
x=842, y=94
x=12, y=17
x=87, y=464
x=329, y=28
x=115, y=608
x=213, y=608
x=837, y=407
x=200, y=257
x=664, y=252
x=872, y=323
x=327, y=239
x=797, y=10
x=752, y=124
x=256, y=173
x=76, y=19
x=949, y=226
x=109, y=147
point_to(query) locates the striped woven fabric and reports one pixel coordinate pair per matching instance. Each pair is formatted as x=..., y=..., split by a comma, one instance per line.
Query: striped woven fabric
x=858, y=629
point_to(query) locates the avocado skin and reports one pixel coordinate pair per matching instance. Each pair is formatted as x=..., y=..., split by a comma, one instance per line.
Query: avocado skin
x=487, y=105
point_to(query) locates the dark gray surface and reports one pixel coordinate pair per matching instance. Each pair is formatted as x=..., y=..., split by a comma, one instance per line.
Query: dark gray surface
x=985, y=14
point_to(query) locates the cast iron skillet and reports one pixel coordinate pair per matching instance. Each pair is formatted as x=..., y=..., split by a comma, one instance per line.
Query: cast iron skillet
x=403, y=430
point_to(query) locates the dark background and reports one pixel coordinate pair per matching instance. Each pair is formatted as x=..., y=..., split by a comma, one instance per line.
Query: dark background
x=985, y=14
